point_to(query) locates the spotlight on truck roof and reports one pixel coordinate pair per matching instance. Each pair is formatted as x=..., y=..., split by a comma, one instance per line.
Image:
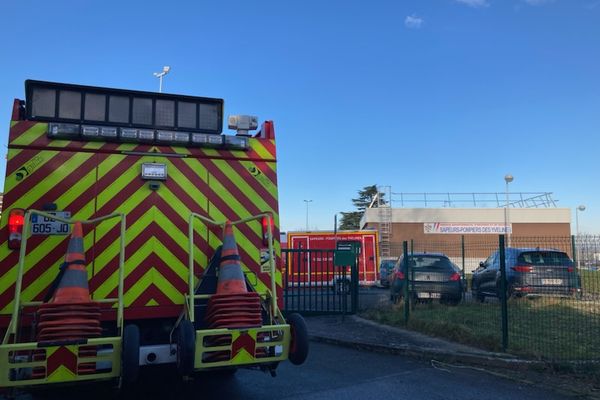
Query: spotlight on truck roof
x=242, y=123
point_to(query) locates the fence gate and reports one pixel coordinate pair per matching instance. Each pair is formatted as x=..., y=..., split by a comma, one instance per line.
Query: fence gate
x=313, y=285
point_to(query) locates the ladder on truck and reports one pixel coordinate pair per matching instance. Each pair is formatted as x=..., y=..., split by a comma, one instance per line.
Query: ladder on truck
x=385, y=219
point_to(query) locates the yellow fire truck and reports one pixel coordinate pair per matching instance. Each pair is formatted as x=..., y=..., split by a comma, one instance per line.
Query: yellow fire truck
x=150, y=183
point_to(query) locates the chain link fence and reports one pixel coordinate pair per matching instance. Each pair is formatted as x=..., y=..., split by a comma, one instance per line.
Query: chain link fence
x=537, y=297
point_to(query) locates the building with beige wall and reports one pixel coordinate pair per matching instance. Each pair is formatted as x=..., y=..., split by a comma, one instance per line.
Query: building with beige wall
x=448, y=230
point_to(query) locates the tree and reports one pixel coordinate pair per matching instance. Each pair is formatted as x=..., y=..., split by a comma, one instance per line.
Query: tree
x=351, y=219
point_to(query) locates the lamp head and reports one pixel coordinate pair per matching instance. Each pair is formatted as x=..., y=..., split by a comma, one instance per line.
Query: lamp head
x=581, y=207
x=508, y=178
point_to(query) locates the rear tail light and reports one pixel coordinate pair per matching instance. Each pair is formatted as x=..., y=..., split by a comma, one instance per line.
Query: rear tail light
x=522, y=268
x=570, y=269
x=455, y=277
x=16, y=219
x=265, y=229
x=399, y=275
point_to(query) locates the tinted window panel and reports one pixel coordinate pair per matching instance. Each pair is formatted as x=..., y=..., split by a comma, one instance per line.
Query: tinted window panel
x=209, y=116
x=142, y=111
x=43, y=103
x=95, y=107
x=118, y=109
x=186, y=115
x=69, y=105
x=165, y=113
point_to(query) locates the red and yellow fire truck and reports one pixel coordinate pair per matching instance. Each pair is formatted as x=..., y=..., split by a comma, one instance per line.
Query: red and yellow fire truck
x=152, y=181
x=317, y=268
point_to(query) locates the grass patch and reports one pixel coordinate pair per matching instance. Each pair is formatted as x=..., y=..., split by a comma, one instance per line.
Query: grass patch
x=549, y=329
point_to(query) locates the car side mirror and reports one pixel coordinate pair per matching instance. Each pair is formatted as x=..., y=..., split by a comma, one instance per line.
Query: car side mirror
x=481, y=264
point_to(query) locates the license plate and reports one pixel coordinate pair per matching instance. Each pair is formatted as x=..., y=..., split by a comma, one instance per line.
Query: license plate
x=48, y=226
x=552, y=281
x=427, y=295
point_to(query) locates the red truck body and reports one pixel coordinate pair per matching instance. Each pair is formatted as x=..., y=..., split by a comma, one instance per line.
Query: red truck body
x=317, y=268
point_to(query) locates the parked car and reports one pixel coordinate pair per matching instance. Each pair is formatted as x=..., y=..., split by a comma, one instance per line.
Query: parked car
x=431, y=276
x=529, y=272
x=385, y=271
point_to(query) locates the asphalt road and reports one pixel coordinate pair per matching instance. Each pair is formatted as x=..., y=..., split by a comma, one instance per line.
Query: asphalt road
x=330, y=373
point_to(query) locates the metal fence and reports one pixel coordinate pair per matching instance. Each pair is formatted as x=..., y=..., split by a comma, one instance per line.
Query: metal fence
x=312, y=285
x=529, y=296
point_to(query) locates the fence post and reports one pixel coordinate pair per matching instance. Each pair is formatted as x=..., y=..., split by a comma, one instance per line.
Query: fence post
x=406, y=265
x=574, y=250
x=503, y=297
x=462, y=245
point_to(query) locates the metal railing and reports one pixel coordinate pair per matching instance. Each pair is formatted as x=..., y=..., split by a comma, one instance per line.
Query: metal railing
x=13, y=325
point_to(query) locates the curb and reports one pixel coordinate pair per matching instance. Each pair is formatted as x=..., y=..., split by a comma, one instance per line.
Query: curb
x=488, y=359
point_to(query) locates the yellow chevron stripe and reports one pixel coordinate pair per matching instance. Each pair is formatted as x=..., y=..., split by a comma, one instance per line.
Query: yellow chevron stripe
x=31, y=135
x=12, y=153
x=245, y=187
x=264, y=153
x=150, y=277
x=51, y=180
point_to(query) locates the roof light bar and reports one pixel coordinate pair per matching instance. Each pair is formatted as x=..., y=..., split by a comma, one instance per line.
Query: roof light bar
x=146, y=136
x=88, y=105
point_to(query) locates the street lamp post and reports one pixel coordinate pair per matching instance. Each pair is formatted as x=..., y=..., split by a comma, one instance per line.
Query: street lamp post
x=307, y=201
x=508, y=178
x=578, y=241
x=160, y=75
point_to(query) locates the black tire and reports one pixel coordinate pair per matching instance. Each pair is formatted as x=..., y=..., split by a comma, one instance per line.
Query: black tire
x=477, y=295
x=130, y=355
x=186, y=347
x=299, y=339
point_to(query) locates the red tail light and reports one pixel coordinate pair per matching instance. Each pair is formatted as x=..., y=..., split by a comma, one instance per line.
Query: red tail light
x=570, y=269
x=265, y=229
x=455, y=277
x=399, y=275
x=522, y=268
x=16, y=219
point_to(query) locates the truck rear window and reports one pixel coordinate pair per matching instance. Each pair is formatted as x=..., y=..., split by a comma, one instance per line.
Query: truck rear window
x=551, y=258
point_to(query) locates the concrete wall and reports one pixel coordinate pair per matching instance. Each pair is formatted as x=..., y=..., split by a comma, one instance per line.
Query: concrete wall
x=538, y=227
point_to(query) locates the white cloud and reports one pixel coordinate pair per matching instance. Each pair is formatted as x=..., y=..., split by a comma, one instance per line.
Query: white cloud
x=413, y=22
x=474, y=3
x=537, y=2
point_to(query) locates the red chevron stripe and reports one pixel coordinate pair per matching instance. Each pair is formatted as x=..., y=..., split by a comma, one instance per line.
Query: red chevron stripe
x=232, y=188
x=260, y=190
x=152, y=293
x=152, y=230
x=18, y=129
x=269, y=145
x=41, y=173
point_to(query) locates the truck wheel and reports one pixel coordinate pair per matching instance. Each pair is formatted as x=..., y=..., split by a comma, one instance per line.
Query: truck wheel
x=186, y=347
x=130, y=354
x=299, y=340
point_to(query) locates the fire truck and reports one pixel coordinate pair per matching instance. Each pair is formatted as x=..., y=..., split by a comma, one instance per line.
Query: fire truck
x=136, y=202
x=317, y=268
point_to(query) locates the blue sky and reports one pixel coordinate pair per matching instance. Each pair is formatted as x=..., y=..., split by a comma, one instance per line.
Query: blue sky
x=421, y=95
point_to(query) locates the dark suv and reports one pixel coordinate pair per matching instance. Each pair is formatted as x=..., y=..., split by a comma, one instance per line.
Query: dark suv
x=529, y=272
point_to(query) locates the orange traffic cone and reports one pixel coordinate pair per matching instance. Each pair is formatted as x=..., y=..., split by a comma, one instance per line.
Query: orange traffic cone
x=73, y=287
x=233, y=306
x=231, y=277
x=70, y=314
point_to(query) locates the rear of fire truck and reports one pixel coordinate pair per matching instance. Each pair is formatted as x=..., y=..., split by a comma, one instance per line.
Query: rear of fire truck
x=133, y=233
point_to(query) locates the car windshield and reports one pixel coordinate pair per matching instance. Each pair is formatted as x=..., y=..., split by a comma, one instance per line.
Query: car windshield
x=546, y=258
x=430, y=262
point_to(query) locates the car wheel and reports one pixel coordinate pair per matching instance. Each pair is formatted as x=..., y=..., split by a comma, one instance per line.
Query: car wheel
x=480, y=297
